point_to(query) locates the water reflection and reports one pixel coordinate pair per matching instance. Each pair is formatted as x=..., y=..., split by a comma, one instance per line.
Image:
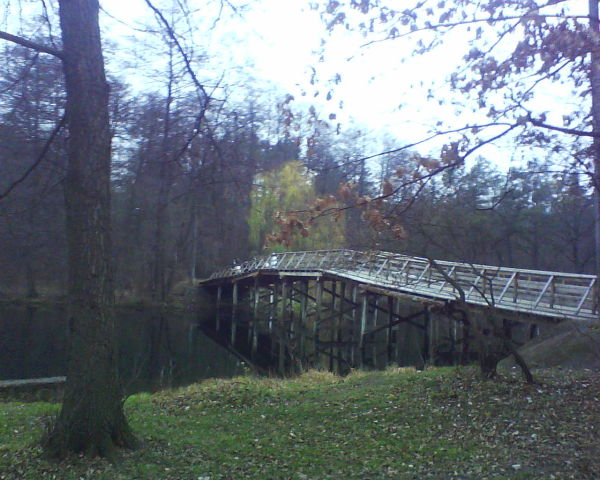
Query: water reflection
x=158, y=348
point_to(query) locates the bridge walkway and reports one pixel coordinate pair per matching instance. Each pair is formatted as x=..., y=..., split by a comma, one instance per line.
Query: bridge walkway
x=546, y=294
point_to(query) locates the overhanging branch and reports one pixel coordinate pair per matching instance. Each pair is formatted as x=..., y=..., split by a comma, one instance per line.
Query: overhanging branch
x=568, y=131
x=29, y=44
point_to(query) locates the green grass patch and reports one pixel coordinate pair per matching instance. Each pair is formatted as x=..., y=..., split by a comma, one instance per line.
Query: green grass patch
x=398, y=424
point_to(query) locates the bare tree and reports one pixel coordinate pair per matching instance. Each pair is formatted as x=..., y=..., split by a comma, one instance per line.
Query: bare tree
x=91, y=418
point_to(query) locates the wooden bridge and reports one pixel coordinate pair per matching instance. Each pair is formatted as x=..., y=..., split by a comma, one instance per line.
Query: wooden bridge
x=345, y=309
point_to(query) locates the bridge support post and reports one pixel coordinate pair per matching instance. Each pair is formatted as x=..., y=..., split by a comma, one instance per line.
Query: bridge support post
x=271, y=308
x=282, y=325
x=303, y=320
x=375, y=336
x=432, y=324
x=339, y=331
x=390, y=320
x=255, y=320
x=317, y=322
x=397, y=335
x=332, y=323
x=218, y=309
x=466, y=344
x=234, y=304
x=272, y=315
x=353, y=326
x=363, y=326
x=426, y=338
x=455, y=344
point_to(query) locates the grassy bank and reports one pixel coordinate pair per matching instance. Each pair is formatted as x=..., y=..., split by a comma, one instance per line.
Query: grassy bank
x=399, y=424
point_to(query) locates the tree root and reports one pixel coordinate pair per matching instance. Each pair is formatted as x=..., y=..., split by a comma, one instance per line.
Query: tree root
x=64, y=439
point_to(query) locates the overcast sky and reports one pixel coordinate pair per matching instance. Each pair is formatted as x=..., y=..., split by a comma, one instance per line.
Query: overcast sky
x=277, y=43
x=274, y=44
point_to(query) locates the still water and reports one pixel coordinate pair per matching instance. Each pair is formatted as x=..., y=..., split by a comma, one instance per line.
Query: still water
x=157, y=348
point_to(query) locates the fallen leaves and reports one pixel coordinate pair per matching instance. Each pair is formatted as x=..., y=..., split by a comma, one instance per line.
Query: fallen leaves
x=437, y=424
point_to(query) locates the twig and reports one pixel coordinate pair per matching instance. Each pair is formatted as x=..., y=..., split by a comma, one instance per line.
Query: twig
x=39, y=159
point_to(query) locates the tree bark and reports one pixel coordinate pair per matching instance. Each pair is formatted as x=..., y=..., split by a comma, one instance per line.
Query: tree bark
x=595, y=87
x=91, y=419
x=159, y=278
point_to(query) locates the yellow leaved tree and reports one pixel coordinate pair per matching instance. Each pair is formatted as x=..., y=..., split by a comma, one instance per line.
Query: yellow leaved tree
x=290, y=190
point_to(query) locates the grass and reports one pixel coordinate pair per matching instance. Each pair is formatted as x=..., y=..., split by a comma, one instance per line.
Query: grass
x=398, y=424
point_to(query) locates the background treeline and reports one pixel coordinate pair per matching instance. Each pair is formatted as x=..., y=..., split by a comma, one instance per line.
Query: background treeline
x=197, y=186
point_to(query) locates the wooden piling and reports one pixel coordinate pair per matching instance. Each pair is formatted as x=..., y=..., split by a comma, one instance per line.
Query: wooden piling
x=353, y=326
x=255, y=319
x=390, y=320
x=218, y=309
x=332, y=323
x=317, y=322
x=363, y=326
x=234, y=304
x=282, y=325
x=303, y=320
x=374, y=336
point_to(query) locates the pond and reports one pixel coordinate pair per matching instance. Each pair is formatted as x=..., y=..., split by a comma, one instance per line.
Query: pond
x=157, y=348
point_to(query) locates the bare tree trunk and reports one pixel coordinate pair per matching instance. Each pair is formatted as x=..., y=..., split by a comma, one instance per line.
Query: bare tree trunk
x=595, y=86
x=91, y=419
x=159, y=288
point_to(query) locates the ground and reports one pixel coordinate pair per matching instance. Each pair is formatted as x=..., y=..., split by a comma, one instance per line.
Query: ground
x=399, y=424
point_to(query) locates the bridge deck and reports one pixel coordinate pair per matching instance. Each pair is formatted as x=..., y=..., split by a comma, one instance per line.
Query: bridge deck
x=547, y=294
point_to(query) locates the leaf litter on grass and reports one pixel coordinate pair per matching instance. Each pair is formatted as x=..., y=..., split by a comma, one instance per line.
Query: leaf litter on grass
x=398, y=424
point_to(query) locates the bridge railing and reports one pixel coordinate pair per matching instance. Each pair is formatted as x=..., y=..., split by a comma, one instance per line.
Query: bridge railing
x=544, y=293
x=549, y=293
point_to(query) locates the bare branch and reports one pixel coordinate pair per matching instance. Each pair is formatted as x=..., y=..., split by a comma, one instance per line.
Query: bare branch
x=568, y=131
x=186, y=59
x=489, y=140
x=501, y=198
x=489, y=20
x=25, y=74
x=29, y=44
x=39, y=159
x=419, y=142
x=448, y=278
x=498, y=201
x=46, y=16
x=122, y=22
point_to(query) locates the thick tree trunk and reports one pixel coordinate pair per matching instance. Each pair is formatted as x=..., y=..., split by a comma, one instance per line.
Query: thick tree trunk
x=91, y=419
x=595, y=87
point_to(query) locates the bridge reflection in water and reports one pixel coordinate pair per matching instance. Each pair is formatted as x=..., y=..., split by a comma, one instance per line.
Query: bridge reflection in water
x=342, y=309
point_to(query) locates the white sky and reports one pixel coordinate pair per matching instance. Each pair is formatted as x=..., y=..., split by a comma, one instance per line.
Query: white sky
x=274, y=44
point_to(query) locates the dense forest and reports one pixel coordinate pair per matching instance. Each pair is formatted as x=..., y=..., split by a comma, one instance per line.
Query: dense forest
x=190, y=196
